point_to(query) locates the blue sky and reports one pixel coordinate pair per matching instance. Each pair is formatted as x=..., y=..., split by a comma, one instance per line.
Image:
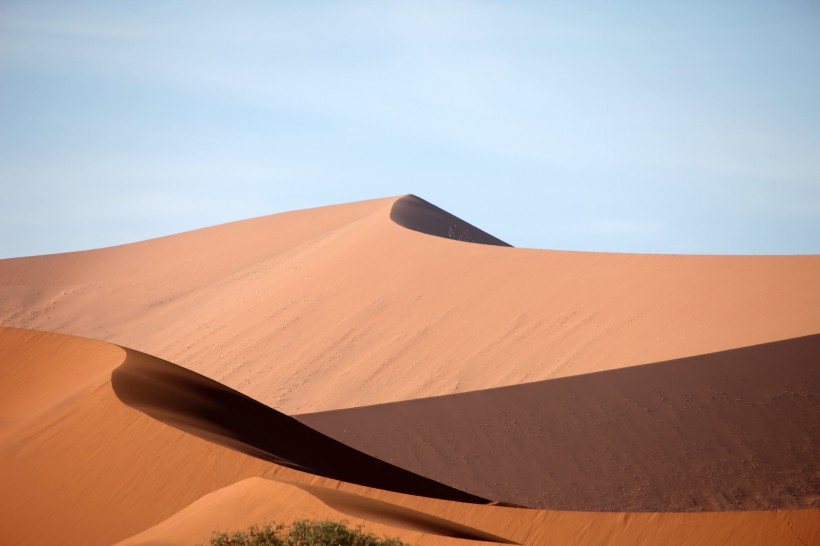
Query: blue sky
x=672, y=127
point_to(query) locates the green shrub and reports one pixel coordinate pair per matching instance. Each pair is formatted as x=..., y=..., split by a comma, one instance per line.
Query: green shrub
x=303, y=533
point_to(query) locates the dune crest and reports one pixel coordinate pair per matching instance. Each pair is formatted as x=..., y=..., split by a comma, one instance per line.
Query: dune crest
x=256, y=500
x=259, y=500
x=419, y=215
x=93, y=471
x=210, y=410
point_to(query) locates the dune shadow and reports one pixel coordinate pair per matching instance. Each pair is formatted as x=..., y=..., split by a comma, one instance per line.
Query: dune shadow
x=729, y=430
x=419, y=215
x=395, y=515
x=208, y=409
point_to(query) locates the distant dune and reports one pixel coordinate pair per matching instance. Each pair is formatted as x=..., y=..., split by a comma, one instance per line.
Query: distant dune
x=460, y=391
x=340, y=306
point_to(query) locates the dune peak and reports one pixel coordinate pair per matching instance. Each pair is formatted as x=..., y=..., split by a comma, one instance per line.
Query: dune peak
x=415, y=213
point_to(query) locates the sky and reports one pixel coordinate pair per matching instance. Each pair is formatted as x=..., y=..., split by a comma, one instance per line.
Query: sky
x=663, y=127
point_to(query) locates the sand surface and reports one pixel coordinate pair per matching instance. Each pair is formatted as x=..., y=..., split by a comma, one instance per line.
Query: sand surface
x=734, y=430
x=254, y=500
x=201, y=406
x=96, y=471
x=340, y=306
x=446, y=366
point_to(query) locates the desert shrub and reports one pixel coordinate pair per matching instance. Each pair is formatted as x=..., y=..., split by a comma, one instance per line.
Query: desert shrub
x=267, y=535
x=303, y=533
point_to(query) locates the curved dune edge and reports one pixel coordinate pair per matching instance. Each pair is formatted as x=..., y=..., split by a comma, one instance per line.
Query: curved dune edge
x=89, y=469
x=339, y=306
x=415, y=213
x=95, y=471
x=735, y=430
x=201, y=406
x=68, y=368
x=256, y=501
x=395, y=515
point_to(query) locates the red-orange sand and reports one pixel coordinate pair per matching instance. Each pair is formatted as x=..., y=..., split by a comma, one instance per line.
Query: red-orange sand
x=91, y=470
x=735, y=430
x=391, y=300
x=340, y=306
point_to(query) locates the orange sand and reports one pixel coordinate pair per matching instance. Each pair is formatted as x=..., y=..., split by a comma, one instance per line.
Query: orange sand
x=735, y=430
x=339, y=306
x=96, y=471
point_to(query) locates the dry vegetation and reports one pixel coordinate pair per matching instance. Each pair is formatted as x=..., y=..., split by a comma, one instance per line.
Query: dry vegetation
x=303, y=533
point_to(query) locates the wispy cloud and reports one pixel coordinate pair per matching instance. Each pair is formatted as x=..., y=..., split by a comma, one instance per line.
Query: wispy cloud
x=669, y=97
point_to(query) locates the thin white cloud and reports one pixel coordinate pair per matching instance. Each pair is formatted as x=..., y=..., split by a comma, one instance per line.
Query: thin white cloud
x=540, y=89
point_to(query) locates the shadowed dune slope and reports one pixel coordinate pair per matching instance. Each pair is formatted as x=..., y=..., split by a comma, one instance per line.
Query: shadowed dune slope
x=419, y=215
x=341, y=306
x=734, y=430
x=208, y=409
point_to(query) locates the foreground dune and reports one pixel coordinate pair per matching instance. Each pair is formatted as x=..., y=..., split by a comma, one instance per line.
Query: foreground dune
x=343, y=306
x=256, y=500
x=91, y=454
x=90, y=469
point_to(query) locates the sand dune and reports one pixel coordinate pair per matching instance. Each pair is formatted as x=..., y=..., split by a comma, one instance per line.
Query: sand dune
x=584, y=381
x=91, y=470
x=341, y=306
x=256, y=500
x=735, y=430
x=95, y=471
x=66, y=368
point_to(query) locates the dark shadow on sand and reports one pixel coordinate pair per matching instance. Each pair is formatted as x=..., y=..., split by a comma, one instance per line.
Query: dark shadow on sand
x=210, y=410
x=417, y=214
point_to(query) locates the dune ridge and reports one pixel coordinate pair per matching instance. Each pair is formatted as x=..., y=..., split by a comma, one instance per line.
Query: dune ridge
x=400, y=516
x=210, y=410
x=340, y=306
x=94, y=470
x=415, y=213
x=734, y=430
x=253, y=500
x=91, y=470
